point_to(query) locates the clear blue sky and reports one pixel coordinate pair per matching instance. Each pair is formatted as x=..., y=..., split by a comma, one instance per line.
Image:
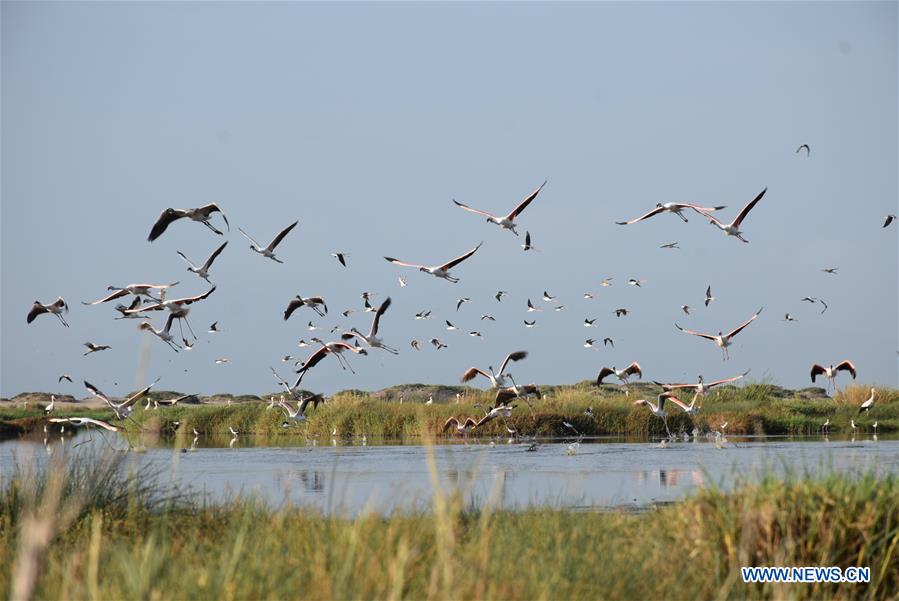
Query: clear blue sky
x=363, y=121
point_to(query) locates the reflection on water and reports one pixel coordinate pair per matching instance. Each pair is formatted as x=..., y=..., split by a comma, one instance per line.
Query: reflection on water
x=350, y=476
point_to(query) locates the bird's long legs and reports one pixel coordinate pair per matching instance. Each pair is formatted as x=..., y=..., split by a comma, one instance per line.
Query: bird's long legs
x=62, y=319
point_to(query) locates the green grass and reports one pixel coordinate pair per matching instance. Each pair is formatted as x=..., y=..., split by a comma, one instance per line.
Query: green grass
x=137, y=541
x=753, y=409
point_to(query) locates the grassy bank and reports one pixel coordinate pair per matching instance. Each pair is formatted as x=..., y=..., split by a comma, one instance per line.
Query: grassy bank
x=753, y=409
x=107, y=536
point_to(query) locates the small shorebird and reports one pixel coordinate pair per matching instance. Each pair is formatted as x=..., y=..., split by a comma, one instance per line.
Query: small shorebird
x=461, y=302
x=415, y=344
x=621, y=374
x=56, y=308
x=450, y=327
x=532, y=308
x=269, y=251
x=203, y=270
x=671, y=207
x=588, y=343
x=722, y=340
x=733, y=228
x=830, y=270
x=95, y=348
x=341, y=257
x=588, y=323
x=685, y=309
x=830, y=372
x=214, y=328
x=888, y=220
x=530, y=324
x=670, y=245
x=808, y=151
x=438, y=344
x=788, y=317
x=506, y=222
x=708, y=296
x=372, y=339
x=497, y=379
x=201, y=214
x=620, y=312
x=64, y=377
x=499, y=296
x=313, y=302
x=608, y=341
x=527, y=242
x=439, y=271
x=869, y=402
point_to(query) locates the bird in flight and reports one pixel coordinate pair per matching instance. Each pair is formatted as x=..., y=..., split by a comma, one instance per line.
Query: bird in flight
x=95, y=348
x=733, y=228
x=506, y=222
x=722, y=340
x=672, y=207
x=808, y=150
x=269, y=251
x=201, y=214
x=439, y=271
x=56, y=308
x=203, y=270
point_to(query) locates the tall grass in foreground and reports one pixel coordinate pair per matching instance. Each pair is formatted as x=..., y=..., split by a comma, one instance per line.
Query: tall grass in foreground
x=147, y=548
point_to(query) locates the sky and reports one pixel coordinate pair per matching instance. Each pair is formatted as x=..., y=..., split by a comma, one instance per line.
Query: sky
x=364, y=121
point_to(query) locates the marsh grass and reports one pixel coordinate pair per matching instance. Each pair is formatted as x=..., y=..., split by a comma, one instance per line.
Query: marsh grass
x=134, y=542
x=752, y=409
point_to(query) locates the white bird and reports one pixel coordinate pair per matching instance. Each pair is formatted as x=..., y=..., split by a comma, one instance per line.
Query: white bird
x=203, y=270
x=588, y=323
x=123, y=409
x=506, y=222
x=299, y=414
x=621, y=374
x=733, y=228
x=138, y=290
x=690, y=409
x=869, y=402
x=439, y=271
x=372, y=339
x=788, y=317
x=606, y=282
x=588, y=296
x=201, y=214
x=722, y=340
x=702, y=386
x=657, y=410
x=56, y=308
x=530, y=324
x=830, y=372
x=532, y=308
x=164, y=334
x=269, y=251
x=853, y=426
x=588, y=343
x=635, y=282
x=450, y=327
x=497, y=379
x=51, y=406
x=313, y=302
x=214, y=328
x=402, y=281
x=232, y=430
x=423, y=315
x=95, y=348
x=178, y=307
x=671, y=207
x=83, y=421
x=826, y=425
x=874, y=425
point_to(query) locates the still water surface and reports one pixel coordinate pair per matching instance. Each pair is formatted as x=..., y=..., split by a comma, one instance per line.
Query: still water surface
x=595, y=474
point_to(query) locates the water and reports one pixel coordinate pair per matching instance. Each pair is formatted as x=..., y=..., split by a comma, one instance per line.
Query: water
x=595, y=474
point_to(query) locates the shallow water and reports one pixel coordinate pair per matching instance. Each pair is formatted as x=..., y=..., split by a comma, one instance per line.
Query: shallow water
x=595, y=474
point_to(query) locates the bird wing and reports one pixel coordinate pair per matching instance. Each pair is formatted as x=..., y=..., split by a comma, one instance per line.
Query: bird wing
x=468, y=208
x=96, y=392
x=280, y=236
x=377, y=318
x=702, y=210
x=848, y=366
x=457, y=260
x=167, y=217
x=888, y=220
x=524, y=203
x=117, y=294
x=137, y=396
x=728, y=380
x=677, y=402
x=470, y=373
x=515, y=356
x=214, y=255
x=192, y=299
x=748, y=321
x=249, y=237
x=214, y=208
x=403, y=263
x=653, y=212
x=527, y=239
x=706, y=336
x=603, y=373
x=817, y=370
x=748, y=208
x=634, y=368
x=452, y=421
x=36, y=309
x=292, y=306
x=503, y=396
x=182, y=255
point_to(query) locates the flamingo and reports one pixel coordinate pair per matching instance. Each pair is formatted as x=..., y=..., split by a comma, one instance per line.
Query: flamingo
x=621, y=374
x=657, y=410
x=56, y=308
x=95, y=348
x=123, y=409
x=203, y=270
x=269, y=251
x=733, y=228
x=702, y=386
x=459, y=426
x=671, y=207
x=135, y=289
x=164, y=334
x=312, y=302
x=83, y=421
x=506, y=222
x=438, y=271
x=201, y=214
x=690, y=409
x=178, y=307
x=335, y=348
x=497, y=379
x=722, y=340
x=372, y=339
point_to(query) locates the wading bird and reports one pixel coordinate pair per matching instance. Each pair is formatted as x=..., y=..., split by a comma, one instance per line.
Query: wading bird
x=459, y=427
x=497, y=379
x=722, y=340
x=869, y=402
x=671, y=207
x=438, y=271
x=334, y=348
x=203, y=270
x=201, y=214
x=55, y=308
x=506, y=222
x=808, y=151
x=164, y=334
x=50, y=406
x=135, y=289
x=313, y=302
x=269, y=251
x=372, y=339
x=621, y=374
x=657, y=410
x=830, y=372
x=733, y=228
x=95, y=348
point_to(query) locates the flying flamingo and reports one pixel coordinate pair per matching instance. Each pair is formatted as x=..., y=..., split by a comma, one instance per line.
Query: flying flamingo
x=722, y=340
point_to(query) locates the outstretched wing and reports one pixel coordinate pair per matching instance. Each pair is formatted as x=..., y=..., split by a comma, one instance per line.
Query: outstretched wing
x=524, y=203
x=457, y=260
x=213, y=256
x=183, y=256
x=117, y=294
x=403, y=263
x=748, y=208
x=700, y=334
x=634, y=368
x=214, y=208
x=516, y=356
x=377, y=318
x=848, y=366
x=728, y=380
x=817, y=370
x=470, y=373
x=603, y=373
x=168, y=216
x=468, y=208
x=281, y=235
x=748, y=321
x=652, y=213
x=291, y=307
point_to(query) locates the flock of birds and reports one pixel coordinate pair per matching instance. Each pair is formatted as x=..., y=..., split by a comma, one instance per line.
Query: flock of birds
x=150, y=299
